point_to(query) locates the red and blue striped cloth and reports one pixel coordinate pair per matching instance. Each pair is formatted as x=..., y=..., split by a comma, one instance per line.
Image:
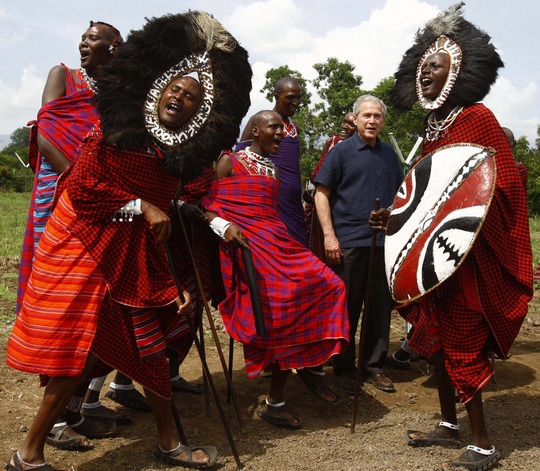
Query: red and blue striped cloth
x=64, y=122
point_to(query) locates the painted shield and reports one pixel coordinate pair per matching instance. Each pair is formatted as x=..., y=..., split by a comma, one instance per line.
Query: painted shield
x=437, y=213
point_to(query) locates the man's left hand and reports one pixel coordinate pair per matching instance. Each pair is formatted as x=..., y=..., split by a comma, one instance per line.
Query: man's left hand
x=379, y=219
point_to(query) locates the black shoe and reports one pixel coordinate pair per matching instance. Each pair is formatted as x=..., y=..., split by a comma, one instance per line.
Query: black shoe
x=382, y=382
x=347, y=381
x=130, y=398
x=180, y=384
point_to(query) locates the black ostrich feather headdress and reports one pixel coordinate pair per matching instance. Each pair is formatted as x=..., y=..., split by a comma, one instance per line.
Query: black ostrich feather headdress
x=478, y=70
x=165, y=48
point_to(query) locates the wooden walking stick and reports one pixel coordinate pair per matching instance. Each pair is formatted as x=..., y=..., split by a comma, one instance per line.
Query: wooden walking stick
x=201, y=330
x=363, y=324
x=206, y=370
x=210, y=318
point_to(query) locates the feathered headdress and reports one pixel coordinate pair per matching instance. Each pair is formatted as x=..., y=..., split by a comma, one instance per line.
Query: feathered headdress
x=475, y=74
x=165, y=48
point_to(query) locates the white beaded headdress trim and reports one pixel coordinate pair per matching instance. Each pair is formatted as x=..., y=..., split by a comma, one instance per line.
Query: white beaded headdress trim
x=442, y=44
x=199, y=63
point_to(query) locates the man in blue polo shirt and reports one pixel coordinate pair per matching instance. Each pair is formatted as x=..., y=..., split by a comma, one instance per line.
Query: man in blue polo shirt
x=354, y=174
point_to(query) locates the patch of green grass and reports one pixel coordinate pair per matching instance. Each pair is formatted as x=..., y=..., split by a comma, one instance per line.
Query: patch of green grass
x=7, y=293
x=534, y=225
x=13, y=216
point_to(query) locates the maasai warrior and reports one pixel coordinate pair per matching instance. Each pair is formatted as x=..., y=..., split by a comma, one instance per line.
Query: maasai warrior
x=101, y=286
x=303, y=302
x=66, y=116
x=287, y=94
x=315, y=236
x=480, y=308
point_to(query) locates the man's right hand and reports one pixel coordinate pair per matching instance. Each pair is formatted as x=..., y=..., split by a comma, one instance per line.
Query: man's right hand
x=332, y=250
x=234, y=235
x=159, y=222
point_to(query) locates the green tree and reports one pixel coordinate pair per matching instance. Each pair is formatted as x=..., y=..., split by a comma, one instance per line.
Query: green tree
x=15, y=176
x=531, y=158
x=273, y=75
x=20, y=138
x=338, y=88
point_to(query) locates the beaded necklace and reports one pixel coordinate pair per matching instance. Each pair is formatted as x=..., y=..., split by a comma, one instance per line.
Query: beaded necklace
x=436, y=129
x=259, y=164
x=89, y=81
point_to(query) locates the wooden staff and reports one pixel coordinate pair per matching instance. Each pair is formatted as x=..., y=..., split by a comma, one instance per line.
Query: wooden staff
x=193, y=330
x=210, y=319
x=363, y=324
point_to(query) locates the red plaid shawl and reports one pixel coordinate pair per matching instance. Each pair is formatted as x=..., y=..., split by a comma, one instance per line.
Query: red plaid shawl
x=287, y=160
x=102, y=181
x=502, y=262
x=303, y=301
x=64, y=122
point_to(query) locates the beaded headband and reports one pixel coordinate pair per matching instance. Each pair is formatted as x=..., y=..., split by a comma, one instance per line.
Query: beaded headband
x=199, y=63
x=447, y=46
x=133, y=83
x=476, y=60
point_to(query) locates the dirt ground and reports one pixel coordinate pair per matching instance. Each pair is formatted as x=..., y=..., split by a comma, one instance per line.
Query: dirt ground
x=325, y=442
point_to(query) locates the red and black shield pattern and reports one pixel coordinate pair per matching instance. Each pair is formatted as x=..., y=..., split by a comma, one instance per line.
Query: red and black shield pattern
x=437, y=213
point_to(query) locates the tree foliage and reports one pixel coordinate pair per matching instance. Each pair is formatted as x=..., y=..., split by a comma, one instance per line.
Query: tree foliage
x=531, y=158
x=273, y=75
x=13, y=174
x=338, y=88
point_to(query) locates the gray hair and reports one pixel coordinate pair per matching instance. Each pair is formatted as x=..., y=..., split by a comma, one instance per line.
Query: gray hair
x=368, y=98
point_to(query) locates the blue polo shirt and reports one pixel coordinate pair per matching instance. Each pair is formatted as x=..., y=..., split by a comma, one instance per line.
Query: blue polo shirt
x=357, y=174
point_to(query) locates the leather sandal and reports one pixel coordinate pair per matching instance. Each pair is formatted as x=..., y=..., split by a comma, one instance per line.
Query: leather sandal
x=435, y=437
x=171, y=457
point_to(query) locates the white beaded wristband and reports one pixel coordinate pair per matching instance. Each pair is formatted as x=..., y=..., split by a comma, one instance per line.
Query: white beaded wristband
x=219, y=226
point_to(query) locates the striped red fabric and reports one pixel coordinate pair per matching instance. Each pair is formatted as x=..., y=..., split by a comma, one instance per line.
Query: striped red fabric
x=85, y=262
x=56, y=325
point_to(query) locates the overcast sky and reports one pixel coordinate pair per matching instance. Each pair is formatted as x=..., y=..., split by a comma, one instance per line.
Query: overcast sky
x=371, y=34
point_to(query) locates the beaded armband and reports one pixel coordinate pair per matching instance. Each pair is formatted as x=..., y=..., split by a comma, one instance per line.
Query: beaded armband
x=126, y=212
